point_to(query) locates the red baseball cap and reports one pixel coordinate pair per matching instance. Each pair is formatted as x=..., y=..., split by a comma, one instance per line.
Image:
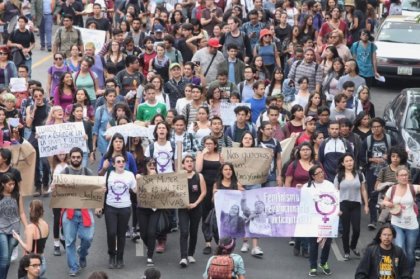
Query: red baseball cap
x=214, y=42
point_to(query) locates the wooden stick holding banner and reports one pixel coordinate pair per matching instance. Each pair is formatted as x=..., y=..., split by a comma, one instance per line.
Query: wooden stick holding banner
x=178, y=160
x=78, y=191
x=168, y=190
x=244, y=161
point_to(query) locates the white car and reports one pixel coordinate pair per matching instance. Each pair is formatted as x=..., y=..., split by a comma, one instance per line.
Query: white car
x=398, y=53
x=410, y=8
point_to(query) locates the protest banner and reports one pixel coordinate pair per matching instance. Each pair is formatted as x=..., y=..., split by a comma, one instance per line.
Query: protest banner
x=60, y=138
x=278, y=212
x=227, y=112
x=287, y=146
x=244, y=161
x=24, y=159
x=94, y=36
x=168, y=190
x=129, y=130
x=77, y=191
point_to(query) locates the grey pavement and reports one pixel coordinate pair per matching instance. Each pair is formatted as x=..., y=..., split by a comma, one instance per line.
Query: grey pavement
x=278, y=260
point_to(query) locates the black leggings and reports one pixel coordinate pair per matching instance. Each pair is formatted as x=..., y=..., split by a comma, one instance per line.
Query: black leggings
x=56, y=226
x=134, y=221
x=147, y=219
x=351, y=214
x=116, y=221
x=189, y=220
x=207, y=206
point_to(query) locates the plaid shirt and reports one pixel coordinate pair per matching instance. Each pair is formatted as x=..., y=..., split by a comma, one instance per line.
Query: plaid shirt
x=189, y=144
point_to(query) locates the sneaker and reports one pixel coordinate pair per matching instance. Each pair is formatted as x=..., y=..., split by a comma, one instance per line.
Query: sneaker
x=325, y=268
x=160, y=247
x=245, y=247
x=135, y=236
x=372, y=227
x=15, y=254
x=346, y=257
x=42, y=48
x=417, y=257
x=207, y=250
x=313, y=272
x=191, y=259
x=292, y=243
x=128, y=233
x=183, y=263
x=57, y=251
x=82, y=262
x=73, y=273
x=150, y=262
x=37, y=193
x=356, y=252
x=257, y=252
x=174, y=229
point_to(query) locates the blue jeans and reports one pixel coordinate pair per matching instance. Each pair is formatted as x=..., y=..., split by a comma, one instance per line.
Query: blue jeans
x=313, y=251
x=406, y=239
x=252, y=187
x=7, y=244
x=72, y=229
x=45, y=30
x=28, y=63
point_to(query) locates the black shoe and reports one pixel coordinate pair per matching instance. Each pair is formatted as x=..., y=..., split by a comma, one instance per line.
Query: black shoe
x=82, y=262
x=207, y=250
x=120, y=264
x=356, y=252
x=372, y=226
x=57, y=251
x=111, y=264
x=49, y=50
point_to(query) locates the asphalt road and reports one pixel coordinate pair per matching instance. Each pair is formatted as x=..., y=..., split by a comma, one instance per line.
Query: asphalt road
x=278, y=260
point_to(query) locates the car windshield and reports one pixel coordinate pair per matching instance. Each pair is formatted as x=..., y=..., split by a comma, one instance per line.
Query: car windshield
x=412, y=121
x=411, y=5
x=400, y=32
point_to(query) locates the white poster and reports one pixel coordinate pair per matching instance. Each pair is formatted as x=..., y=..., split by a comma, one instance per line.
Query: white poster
x=95, y=36
x=60, y=138
x=227, y=112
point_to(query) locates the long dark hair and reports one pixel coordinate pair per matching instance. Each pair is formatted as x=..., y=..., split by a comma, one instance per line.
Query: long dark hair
x=137, y=150
x=242, y=138
x=377, y=239
x=273, y=80
x=308, y=106
x=234, y=179
x=341, y=72
x=305, y=144
x=109, y=154
x=75, y=106
x=260, y=133
x=341, y=170
x=24, y=263
x=226, y=246
x=5, y=178
x=61, y=84
x=123, y=106
x=87, y=100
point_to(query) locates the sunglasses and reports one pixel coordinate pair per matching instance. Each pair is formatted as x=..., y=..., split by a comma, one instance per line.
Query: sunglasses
x=58, y=58
x=120, y=161
x=4, y=53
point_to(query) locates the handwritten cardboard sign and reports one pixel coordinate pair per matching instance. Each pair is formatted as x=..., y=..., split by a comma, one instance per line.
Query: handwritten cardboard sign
x=77, y=191
x=169, y=190
x=252, y=165
x=60, y=138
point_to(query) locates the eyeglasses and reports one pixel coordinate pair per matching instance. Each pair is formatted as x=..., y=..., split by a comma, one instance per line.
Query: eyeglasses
x=4, y=53
x=35, y=265
x=120, y=161
x=317, y=173
x=268, y=35
x=58, y=58
x=76, y=157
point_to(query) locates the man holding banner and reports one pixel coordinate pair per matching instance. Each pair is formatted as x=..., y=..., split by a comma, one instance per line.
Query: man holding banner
x=77, y=222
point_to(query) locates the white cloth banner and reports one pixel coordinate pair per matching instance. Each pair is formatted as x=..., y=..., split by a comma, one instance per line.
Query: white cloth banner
x=95, y=36
x=60, y=138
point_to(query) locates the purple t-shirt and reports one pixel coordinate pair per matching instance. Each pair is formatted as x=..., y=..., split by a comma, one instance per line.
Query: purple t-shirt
x=300, y=176
x=63, y=100
x=56, y=73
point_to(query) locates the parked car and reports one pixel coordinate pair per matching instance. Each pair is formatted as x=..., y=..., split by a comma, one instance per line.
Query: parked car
x=398, y=42
x=402, y=118
x=410, y=8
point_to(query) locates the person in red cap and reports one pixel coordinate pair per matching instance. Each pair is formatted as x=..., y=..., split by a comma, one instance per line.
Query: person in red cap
x=267, y=49
x=209, y=58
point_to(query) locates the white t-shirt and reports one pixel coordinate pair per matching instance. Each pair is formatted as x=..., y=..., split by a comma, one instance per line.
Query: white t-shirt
x=163, y=155
x=181, y=103
x=407, y=219
x=119, y=185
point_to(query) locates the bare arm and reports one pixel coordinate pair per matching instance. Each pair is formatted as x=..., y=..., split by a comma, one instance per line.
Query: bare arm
x=203, y=189
x=288, y=181
x=199, y=161
x=22, y=212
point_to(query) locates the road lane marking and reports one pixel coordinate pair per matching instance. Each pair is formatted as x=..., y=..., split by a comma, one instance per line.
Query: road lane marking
x=336, y=251
x=42, y=61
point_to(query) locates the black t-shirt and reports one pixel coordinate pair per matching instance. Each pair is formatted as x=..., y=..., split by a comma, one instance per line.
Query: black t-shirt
x=71, y=10
x=101, y=23
x=186, y=52
x=23, y=38
x=14, y=172
x=283, y=33
x=386, y=268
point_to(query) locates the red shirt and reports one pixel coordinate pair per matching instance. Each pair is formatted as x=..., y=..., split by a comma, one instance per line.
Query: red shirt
x=327, y=28
x=145, y=61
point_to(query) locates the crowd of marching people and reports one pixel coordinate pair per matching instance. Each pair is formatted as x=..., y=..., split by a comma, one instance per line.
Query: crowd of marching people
x=296, y=69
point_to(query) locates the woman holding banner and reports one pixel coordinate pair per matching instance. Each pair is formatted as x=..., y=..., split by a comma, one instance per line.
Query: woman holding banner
x=208, y=164
x=317, y=183
x=118, y=208
x=76, y=115
x=248, y=141
x=189, y=219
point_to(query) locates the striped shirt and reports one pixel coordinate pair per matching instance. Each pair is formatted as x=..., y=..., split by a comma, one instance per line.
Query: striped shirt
x=309, y=70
